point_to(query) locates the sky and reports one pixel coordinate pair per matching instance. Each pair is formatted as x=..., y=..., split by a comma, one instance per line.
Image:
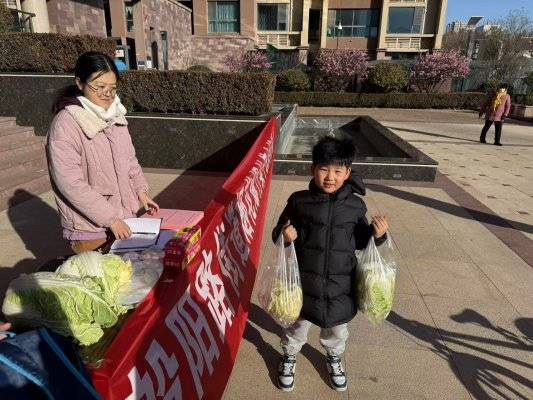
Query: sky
x=461, y=10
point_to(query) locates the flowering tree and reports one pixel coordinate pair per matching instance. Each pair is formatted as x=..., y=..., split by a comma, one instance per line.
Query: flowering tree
x=430, y=70
x=337, y=69
x=247, y=61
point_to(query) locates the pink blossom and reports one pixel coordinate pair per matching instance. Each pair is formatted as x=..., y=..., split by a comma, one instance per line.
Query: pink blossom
x=342, y=62
x=247, y=61
x=430, y=70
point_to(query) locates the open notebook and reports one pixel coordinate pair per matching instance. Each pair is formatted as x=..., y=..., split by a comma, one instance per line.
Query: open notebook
x=145, y=233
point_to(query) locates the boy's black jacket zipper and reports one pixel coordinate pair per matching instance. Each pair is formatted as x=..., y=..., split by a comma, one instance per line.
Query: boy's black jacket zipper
x=331, y=200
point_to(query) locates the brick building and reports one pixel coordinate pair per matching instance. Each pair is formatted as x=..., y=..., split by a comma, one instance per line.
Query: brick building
x=148, y=33
x=386, y=28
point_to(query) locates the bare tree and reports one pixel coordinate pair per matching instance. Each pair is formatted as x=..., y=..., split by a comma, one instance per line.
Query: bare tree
x=505, y=45
x=457, y=41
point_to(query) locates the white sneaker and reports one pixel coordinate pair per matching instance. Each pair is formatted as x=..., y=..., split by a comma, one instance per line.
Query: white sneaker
x=286, y=369
x=337, y=376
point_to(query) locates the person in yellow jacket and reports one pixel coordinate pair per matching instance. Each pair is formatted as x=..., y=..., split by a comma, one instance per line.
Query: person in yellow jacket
x=496, y=109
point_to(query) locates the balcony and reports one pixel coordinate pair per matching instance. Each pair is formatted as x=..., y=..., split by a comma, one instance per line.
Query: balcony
x=395, y=2
x=403, y=43
x=284, y=40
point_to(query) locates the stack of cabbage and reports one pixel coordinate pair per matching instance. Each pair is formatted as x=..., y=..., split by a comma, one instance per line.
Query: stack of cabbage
x=375, y=288
x=78, y=300
x=285, y=303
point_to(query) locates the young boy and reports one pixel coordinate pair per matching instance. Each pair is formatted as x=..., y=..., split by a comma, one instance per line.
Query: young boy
x=327, y=224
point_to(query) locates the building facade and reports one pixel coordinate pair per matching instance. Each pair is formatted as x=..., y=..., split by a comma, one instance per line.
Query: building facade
x=385, y=28
x=148, y=33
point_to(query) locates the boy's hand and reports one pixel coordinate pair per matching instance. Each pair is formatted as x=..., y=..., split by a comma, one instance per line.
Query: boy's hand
x=289, y=233
x=380, y=225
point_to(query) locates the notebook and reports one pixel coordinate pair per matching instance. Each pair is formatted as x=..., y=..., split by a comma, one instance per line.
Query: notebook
x=145, y=232
x=177, y=219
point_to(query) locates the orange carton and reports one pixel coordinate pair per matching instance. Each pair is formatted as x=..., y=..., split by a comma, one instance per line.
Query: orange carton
x=183, y=247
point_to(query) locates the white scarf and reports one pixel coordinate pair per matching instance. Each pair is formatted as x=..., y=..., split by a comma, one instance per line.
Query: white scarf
x=115, y=110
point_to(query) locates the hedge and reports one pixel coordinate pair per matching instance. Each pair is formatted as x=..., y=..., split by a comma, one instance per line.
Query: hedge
x=6, y=19
x=47, y=52
x=387, y=100
x=197, y=93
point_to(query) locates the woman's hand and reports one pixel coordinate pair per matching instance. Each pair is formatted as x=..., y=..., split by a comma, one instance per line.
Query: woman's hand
x=120, y=229
x=149, y=205
x=380, y=225
x=4, y=326
x=289, y=233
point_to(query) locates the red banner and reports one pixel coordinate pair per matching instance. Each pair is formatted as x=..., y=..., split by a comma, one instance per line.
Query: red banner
x=182, y=340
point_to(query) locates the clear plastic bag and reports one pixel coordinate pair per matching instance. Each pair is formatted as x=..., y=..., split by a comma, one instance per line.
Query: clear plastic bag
x=280, y=291
x=376, y=279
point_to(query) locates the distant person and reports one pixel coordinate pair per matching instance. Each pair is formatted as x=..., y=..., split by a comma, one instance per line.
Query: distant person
x=327, y=223
x=121, y=65
x=95, y=175
x=496, y=109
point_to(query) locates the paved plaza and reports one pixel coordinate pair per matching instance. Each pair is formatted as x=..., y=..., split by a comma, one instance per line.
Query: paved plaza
x=462, y=323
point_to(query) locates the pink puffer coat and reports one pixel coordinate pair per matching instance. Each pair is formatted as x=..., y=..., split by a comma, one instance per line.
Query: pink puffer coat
x=94, y=172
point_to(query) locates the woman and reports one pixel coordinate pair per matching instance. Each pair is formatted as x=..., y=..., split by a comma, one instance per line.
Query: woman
x=95, y=175
x=496, y=109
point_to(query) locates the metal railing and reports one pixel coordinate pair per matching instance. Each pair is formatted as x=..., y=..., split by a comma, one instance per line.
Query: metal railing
x=403, y=43
x=275, y=38
x=22, y=21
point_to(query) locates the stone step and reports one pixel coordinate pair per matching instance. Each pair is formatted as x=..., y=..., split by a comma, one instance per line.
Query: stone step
x=37, y=164
x=7, y=122
x=29, y=149
x=15, y=134
x=23, y=173
x=32, y=187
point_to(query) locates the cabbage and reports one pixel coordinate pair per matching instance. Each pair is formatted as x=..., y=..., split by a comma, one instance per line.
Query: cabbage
x=375, y=289
x=109, y=271
x=68, y=305
x=285, y=303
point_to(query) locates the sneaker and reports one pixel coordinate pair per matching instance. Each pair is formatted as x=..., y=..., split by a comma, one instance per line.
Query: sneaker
x=287, y=367
x=337, y=376
x=482, y=141
x=497, y=144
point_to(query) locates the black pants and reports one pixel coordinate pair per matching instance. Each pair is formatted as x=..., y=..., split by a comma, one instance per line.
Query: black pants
x=497, y=126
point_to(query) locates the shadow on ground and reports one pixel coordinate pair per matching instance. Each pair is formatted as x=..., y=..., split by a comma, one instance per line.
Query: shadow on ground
x=483, y=378
x=459, y=211
x=271, y=356
x=38, y=226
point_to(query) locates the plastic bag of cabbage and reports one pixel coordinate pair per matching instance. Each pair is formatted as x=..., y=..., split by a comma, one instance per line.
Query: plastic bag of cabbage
x=376, y=278
x=280, y=290
x=78, y=300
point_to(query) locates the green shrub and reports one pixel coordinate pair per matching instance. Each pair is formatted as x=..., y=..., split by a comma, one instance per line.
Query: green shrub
x=388, y=100
x=194, y=93
x=386, y=77
x=489, y=86
x=47, y=52
x=525, y=99
x=6, y=19
x=293, y=80
x=199, y=68
x=323, y=82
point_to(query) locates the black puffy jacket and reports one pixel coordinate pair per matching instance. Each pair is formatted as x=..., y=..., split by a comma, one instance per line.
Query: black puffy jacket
x=330, y=228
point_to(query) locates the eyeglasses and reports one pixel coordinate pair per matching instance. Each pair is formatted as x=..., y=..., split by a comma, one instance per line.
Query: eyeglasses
x=103, y=90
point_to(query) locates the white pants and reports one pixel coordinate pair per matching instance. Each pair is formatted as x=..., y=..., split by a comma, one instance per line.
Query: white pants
x=332, y=339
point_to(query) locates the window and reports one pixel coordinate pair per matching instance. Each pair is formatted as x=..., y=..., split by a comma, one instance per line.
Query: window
x=272, y=17
x=223, y=16
x=406, y=19
x=129, y=16
x=355, y=23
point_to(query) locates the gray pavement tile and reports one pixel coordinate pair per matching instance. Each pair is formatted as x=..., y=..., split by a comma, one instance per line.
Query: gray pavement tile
x=376, y=372
x=451, y=279
x=432, y=247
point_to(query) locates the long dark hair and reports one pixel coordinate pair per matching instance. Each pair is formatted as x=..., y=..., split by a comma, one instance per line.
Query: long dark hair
x=89, y=63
